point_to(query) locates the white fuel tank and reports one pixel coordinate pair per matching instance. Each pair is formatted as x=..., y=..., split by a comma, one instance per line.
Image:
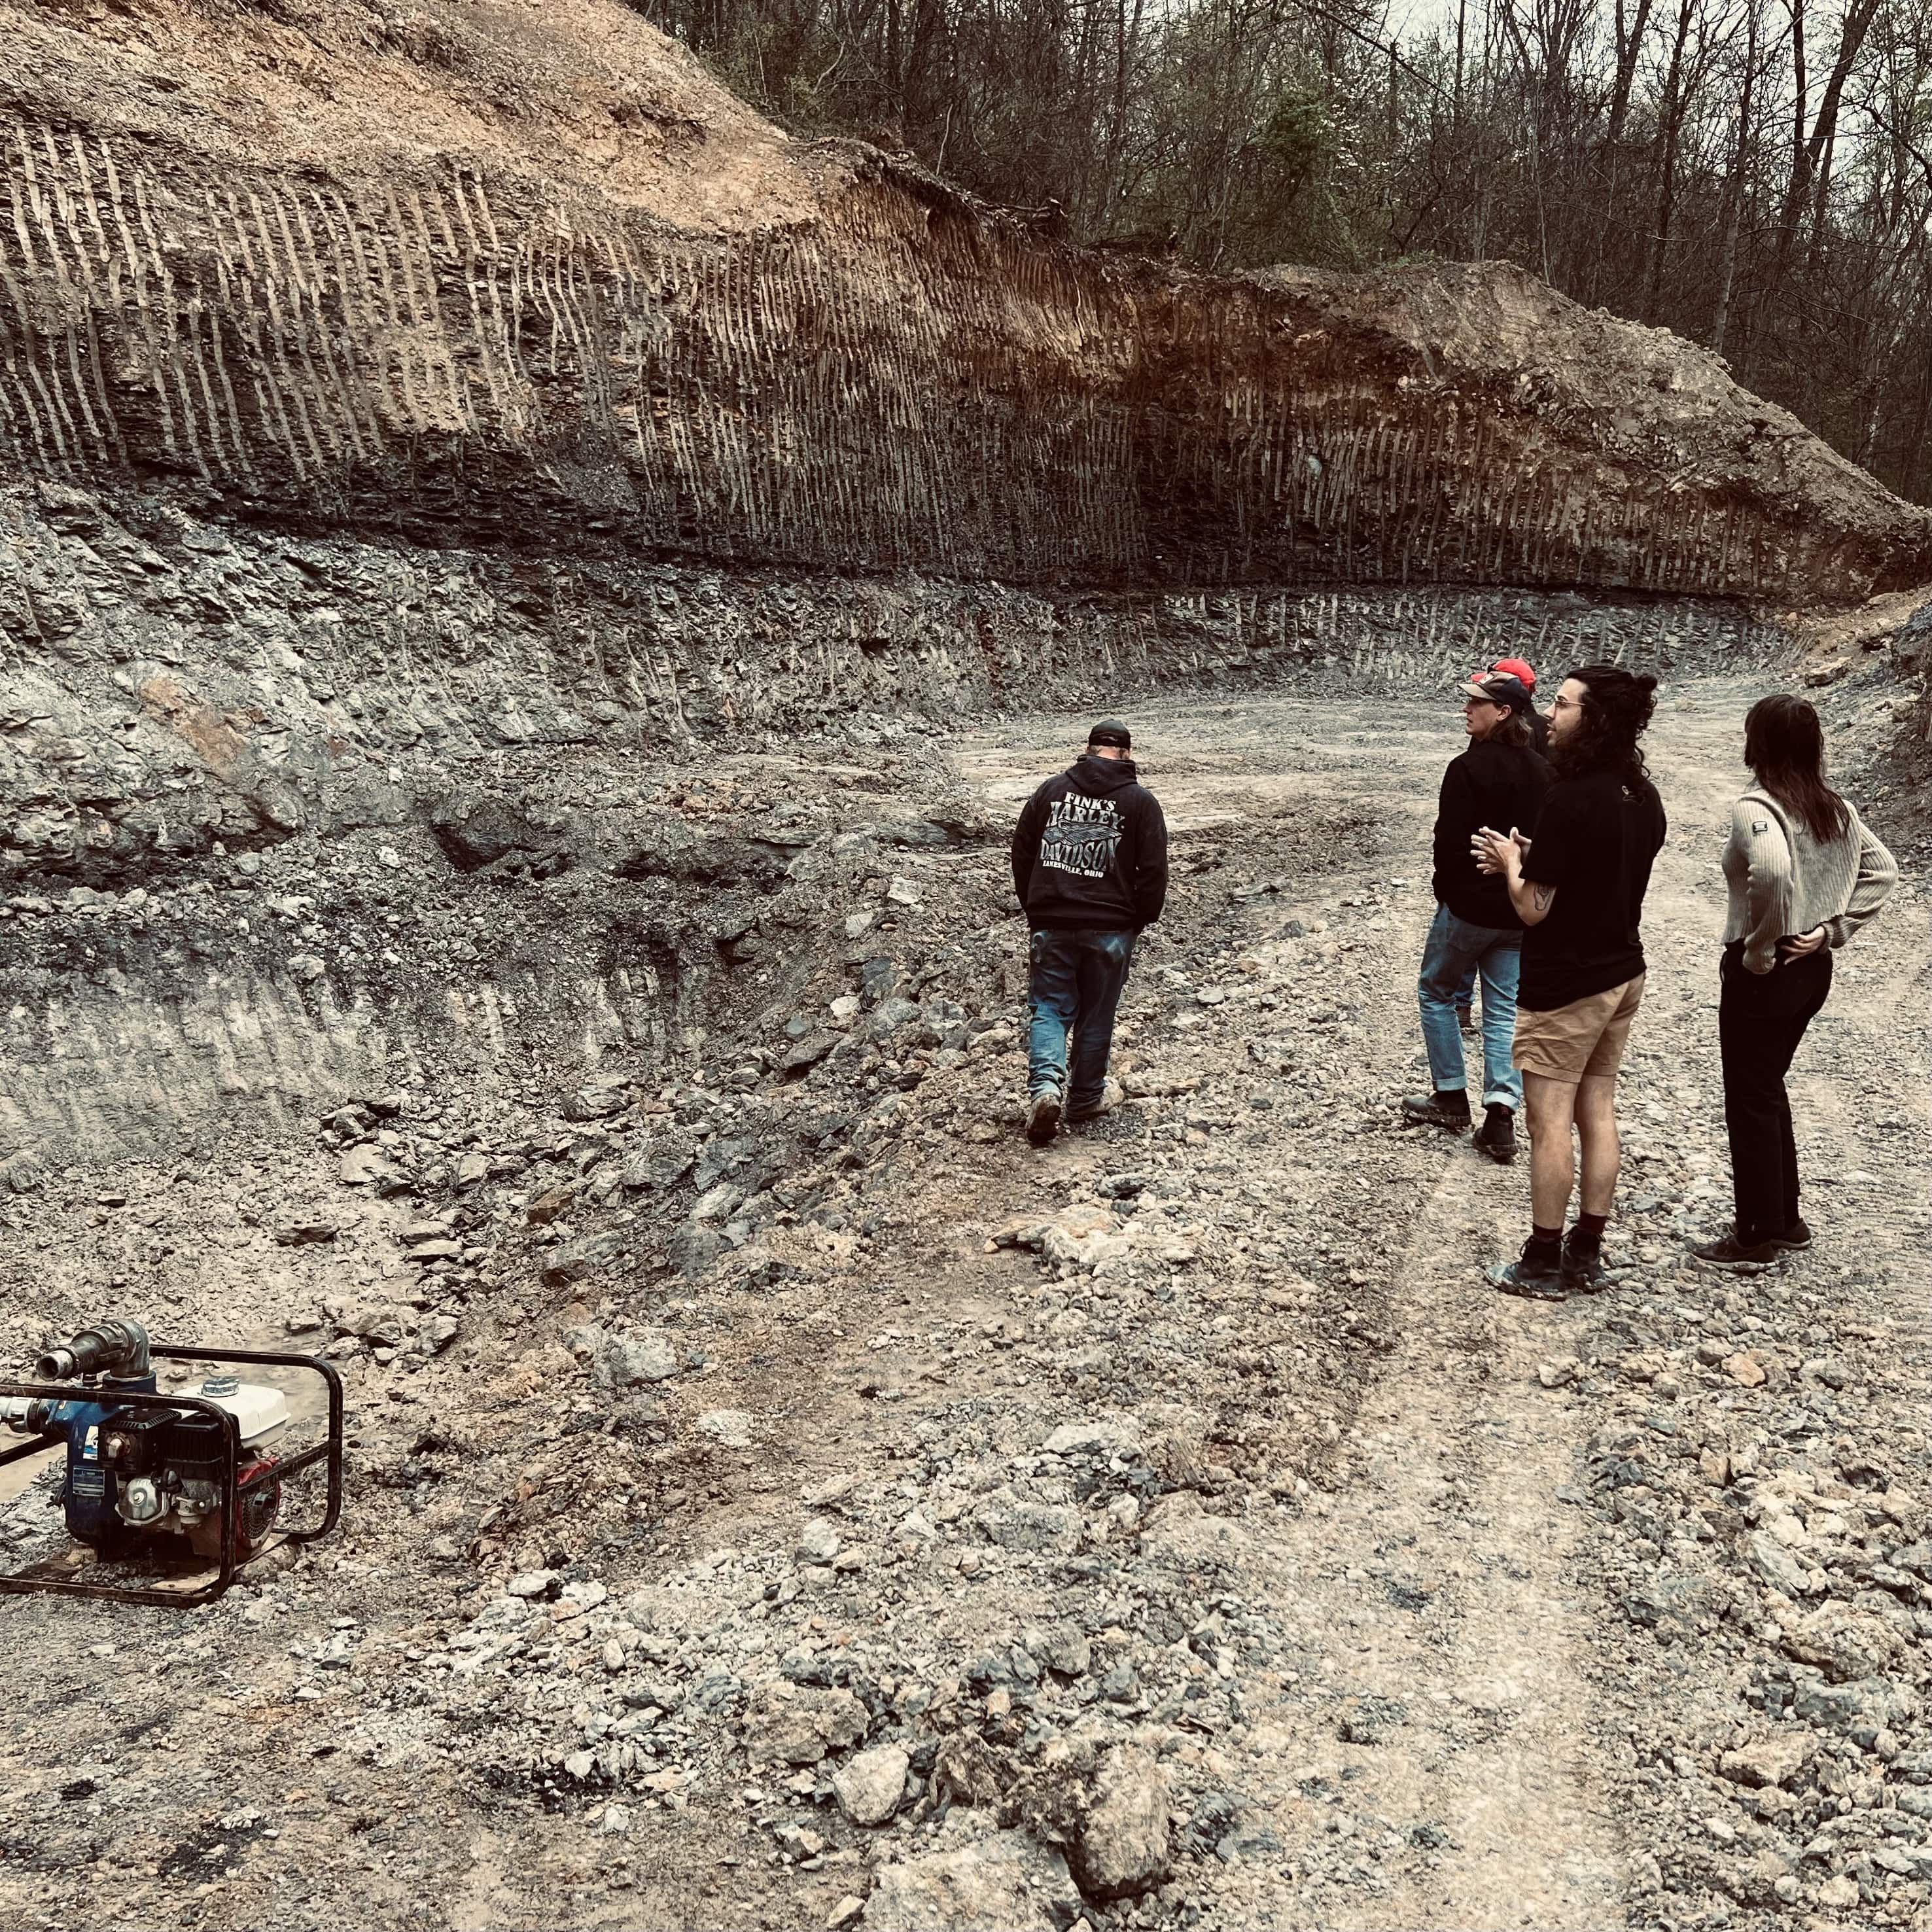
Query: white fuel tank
x=261, y=1412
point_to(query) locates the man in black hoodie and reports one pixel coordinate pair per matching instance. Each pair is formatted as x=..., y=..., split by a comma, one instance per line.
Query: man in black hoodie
x=1498, y=779
x=1089, y=867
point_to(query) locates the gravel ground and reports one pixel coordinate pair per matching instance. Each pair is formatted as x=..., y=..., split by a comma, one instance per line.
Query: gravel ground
x=779, y=1496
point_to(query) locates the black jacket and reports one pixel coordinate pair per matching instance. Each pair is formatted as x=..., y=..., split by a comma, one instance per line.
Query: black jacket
x=1539, y=736
x=1497, y=785
x=1090, y=849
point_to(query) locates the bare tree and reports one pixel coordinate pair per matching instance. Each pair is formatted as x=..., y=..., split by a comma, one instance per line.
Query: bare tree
x=1755, y=175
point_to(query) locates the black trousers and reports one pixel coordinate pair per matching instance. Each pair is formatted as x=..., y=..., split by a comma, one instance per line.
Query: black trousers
x=1761, y=1018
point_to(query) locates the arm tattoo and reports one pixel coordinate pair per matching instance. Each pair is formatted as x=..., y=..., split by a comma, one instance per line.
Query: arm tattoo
x=1543, y=894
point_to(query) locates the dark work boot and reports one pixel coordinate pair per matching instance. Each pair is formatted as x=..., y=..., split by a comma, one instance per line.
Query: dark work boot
x=1536, y=1277
x=1043, y=1116
x=1439, y=1109
x=1496, y=1136
x=1583, y=1266
x=1736, y=1256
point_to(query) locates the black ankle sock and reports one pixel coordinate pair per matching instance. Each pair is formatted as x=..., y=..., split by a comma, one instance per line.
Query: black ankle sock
x=1589, y=1232
x=1545, y=1244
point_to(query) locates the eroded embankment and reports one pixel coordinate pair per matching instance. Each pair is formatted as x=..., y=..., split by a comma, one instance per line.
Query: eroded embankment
x=533, y=278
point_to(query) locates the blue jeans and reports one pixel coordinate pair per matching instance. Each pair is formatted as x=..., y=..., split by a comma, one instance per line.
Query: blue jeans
x=1075, y=983
x=1453, y=951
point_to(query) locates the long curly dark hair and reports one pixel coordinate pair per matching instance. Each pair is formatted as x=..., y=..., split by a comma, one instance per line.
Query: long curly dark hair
x=1618, y=704
x=1784, y=746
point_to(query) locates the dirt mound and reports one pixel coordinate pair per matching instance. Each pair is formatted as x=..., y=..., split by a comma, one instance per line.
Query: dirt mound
x=528, y=278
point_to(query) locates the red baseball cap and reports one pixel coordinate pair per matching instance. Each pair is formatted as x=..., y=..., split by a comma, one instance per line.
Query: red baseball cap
x=1516, y=667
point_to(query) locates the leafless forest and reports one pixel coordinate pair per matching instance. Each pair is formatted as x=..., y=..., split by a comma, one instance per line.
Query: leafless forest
x=1754, y=174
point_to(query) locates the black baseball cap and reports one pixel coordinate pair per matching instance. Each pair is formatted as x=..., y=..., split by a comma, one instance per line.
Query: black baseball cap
x=1112, y=731
x=1511, y=693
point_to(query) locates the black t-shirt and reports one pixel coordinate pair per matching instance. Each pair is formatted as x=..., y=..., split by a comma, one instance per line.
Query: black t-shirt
x=1594, y=841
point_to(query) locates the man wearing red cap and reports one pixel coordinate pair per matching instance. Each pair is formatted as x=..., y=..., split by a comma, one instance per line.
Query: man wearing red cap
x=1476, y=929
x=1539, y=725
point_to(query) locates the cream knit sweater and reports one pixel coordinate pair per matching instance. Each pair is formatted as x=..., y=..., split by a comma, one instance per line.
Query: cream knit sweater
x=1783, y=882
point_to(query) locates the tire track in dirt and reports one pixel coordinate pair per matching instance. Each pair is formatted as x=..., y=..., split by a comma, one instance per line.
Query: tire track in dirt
x=1430, y=1760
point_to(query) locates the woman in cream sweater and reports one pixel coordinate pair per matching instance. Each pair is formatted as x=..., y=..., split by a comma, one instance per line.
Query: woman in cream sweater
x=1804, y=873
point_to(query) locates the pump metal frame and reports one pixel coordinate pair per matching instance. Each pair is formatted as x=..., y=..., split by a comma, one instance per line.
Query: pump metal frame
x=185, y=1593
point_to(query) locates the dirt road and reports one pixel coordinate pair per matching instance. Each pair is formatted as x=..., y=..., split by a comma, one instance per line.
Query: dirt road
x=1197, y=1434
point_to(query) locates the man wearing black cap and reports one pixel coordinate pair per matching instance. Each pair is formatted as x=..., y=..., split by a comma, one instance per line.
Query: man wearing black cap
x=1089, y=867
x=1522, y=670
x=1476, y=929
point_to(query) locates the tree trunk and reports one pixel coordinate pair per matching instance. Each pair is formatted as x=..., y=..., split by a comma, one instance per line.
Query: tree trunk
x=1627, y=50
x=1734, y=189
x=1800, y=107
x=1666, y=191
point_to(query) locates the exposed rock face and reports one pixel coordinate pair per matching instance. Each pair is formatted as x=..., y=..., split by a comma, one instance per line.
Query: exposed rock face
x=413, y=432
x=529, y=278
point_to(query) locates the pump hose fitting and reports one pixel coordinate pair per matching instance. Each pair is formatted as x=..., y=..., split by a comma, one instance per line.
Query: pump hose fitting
x=115, y=1347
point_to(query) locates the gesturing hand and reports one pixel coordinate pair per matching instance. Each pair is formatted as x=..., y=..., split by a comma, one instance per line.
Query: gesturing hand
x=1495, y=851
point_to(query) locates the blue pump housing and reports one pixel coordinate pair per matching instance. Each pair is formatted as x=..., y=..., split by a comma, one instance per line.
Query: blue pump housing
x=90, y=1490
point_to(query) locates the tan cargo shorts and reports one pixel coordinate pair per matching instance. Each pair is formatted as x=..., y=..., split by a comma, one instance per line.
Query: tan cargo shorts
x=1581, y=1041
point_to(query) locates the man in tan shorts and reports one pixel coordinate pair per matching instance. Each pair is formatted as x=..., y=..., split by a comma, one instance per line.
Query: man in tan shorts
x=1578, y=886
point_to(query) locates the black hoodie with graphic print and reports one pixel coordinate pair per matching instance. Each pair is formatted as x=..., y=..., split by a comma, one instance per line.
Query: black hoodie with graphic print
x=1090, y=850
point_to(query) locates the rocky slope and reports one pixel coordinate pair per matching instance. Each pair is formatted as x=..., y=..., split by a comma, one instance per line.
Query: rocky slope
x=506, y=561
x=525, y=276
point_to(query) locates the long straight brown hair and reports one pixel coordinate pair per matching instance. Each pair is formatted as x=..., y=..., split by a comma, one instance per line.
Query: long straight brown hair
x=1784, y=746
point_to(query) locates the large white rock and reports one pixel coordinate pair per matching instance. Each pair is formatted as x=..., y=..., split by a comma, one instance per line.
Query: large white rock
x=1121, y=1847
x=623, y=1361
x=818, y=1541
x=994, y=1881
x=870, y=1787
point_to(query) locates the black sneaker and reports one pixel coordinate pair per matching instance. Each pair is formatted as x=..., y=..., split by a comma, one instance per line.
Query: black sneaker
x=1736, y=1257
x=1795, y=1240
x=1583, y=1269
x=1533, y=1279
x=1496, y=1136
x=1043, y=1116
x=1438, y=1110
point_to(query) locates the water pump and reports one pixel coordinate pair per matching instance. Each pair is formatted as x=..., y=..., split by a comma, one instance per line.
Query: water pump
x=200, y=1472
